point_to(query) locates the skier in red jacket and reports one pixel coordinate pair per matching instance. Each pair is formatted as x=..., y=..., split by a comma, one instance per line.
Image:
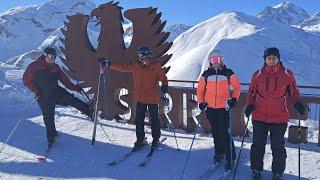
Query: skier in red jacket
x=41, y=77
x=269, y=90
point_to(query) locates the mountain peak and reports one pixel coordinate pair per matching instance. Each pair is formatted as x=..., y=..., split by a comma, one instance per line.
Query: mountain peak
x=285, y=4
x=285, y=12
x=175, y=30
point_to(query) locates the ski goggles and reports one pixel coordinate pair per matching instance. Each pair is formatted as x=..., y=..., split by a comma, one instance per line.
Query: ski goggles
x=216, y=60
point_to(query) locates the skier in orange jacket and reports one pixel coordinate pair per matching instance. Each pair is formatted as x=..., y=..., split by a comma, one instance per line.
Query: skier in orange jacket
x=213, y=95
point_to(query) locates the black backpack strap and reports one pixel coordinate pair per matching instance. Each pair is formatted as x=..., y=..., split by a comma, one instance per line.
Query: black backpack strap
x=229, y=73
x=206, y=81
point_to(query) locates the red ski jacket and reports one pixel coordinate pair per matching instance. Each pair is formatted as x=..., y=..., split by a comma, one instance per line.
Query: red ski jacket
x=42, y=78
x=269, y=91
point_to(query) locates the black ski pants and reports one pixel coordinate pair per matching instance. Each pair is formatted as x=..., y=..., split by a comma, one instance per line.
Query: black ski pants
x=47, y=105
x=140, y=116
x=219, y=121
x=260, y=134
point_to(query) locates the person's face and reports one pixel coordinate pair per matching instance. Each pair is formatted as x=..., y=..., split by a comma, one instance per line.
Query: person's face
x=50, y=58
x=216, y=62
x=272, y=60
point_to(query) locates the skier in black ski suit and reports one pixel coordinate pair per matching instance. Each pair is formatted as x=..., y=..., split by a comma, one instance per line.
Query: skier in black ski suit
x=41, y=77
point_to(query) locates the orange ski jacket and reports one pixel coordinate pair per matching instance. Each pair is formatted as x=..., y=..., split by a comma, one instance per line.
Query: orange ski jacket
x=145, y=80
x=213, y=87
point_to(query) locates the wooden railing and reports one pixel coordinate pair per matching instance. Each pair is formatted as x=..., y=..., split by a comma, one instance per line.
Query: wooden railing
x=310, y=99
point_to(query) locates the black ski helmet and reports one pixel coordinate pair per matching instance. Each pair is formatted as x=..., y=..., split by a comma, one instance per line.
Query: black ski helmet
x=271, y=51
x=144, y=52
x=49, y=50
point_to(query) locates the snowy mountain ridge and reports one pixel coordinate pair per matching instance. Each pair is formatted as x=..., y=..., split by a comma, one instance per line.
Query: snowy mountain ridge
x=312, y=24
x=242, y=39
x=25, y=28
x=285, y=12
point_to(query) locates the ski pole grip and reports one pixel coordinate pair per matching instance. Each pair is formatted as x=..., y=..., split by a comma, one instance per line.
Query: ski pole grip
x=103, y=64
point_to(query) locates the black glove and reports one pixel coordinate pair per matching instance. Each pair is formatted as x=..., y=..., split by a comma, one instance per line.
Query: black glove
x=165, y=100
x=249, y=110
x=77, y=88
x=202, y=106
x=300, y=107
x=232, y=102
x=164, y=88
x=104, y=62
x=37, y=96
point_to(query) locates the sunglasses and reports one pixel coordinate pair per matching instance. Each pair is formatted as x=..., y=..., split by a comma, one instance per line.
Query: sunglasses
x=216, y=60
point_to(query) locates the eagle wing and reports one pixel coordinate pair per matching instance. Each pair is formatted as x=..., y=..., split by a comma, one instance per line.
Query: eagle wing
x=80, y=55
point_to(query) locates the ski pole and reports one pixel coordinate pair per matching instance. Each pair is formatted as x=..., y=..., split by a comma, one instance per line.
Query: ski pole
x=193, y=139
x=299, y=141
x=96, y=106
x=105, y=95
x=106, y=133
x=171, y=126
x=230, y=138
x=105, y=108
x=241, y=147
x=83, y=92
x=102, y=66
x=16, y=126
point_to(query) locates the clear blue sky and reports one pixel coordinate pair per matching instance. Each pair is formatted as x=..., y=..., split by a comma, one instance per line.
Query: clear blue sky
x=188, y=12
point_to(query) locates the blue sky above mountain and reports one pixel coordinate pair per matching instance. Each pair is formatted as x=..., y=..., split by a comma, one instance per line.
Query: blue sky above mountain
x=179, y=11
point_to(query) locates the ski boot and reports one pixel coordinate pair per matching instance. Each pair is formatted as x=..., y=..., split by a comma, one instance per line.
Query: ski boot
x=217, y=159
x=52, y=140
x=256, y=174
x=277, y=176
x=155, y=143
x=139, y=144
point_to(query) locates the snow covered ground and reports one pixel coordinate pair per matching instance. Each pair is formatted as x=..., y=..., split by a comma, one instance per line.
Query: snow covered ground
x=73, y=156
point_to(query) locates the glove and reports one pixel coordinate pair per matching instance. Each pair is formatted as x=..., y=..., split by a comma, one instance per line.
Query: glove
x=164, y=88
x=165, y=100
x=232, y=102
x=78, y=88
x=300, y=107
x=37, y=96
x=104, y=62
x=249, y=110
x=202, y=106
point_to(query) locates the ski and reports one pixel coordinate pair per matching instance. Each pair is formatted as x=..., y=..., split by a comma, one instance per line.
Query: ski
x=149, y=155
x=44, y=155
x=210, y=170
x=227, y=174
x=125, y=156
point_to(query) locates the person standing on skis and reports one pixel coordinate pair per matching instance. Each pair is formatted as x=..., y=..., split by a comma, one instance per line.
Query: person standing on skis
x=41, y=77
x=269, y=90
x=213, y=95
x=147, y=73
